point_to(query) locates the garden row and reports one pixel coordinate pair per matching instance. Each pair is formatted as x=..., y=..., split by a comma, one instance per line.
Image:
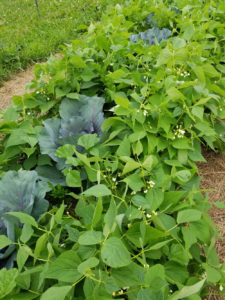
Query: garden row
x=100, y=196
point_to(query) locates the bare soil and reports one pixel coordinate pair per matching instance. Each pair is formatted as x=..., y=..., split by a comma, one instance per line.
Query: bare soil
x=15, y=86
x=213, y=173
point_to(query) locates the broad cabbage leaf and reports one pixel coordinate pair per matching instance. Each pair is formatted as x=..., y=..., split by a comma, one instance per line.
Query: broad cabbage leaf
x=151, y=35
x=19, y=192
x=77, y=118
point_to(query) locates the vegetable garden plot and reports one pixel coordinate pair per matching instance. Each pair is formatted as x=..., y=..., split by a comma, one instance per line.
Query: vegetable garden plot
x=113, y=132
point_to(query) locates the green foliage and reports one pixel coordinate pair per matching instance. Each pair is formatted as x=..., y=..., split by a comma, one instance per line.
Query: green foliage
x=77, y=118
x=26, y=39
x=137, y=226
x=21, y=193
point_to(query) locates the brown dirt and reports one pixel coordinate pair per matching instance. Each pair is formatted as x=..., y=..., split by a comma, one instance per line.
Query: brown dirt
x=15, y=86
x=213, y=173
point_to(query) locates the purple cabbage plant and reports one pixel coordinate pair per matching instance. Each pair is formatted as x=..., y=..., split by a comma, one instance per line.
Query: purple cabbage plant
x=21, y=191
x=77, y=117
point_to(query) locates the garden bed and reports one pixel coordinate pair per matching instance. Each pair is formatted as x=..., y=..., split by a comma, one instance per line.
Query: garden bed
x=102, y=159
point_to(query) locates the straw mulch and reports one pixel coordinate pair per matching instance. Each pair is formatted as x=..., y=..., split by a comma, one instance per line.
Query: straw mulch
x=213, y=173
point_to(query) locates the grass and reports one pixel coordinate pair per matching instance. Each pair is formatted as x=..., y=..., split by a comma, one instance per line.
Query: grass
x=24, y=38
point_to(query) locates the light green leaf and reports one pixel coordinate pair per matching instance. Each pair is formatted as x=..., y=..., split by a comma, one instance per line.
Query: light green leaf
x=140, y=201
x=56, y=293
x=88, y=264
x=183, y=143
x=73, y=96
x=99, y=190
x=213, y=275
x=122, y=101
x=27, y=232
x=205, y=129
x=188, y=32
x=155, y=198
x=150, y=162
x=175, y=94
x=110, y=218
x=64, y=268
x=91, y=238
x=4, y=241
x=176, y=272
x=135, y=182
x=199, y=73
x=21, y=296
x=165, y=122
x=130, y=166
x=144, y=294
x=189, y=237
x=83, y=158
x=10, y=114
x=219, y=204
x=137, y=148
x=182, y=176
x=210, y=71
x=188, y=215
x=24, y=218
x=40, y=245
x=178, y=254
x=159, y=245
x=73, y=178
x=115, y=254
x=19, y=137
x=188, y=290
x=201, y=230
x=65, y=151
x=178, y=43
x=124, y=148
x=116, y=75
x=7, y=281
x=77, y=61
x=164, y=57
x=136, y=136
x=88, y=140
x=97, y=213
x=198, y=111
x=22, y=257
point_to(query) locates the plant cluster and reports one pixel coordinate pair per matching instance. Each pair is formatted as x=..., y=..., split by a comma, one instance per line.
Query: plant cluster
x=115, y=129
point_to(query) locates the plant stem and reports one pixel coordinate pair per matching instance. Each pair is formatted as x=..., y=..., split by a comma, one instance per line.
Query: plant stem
x=36, y=3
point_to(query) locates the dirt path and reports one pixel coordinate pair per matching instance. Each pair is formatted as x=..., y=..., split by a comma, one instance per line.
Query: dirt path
x=15, y=86
x=213, y=173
